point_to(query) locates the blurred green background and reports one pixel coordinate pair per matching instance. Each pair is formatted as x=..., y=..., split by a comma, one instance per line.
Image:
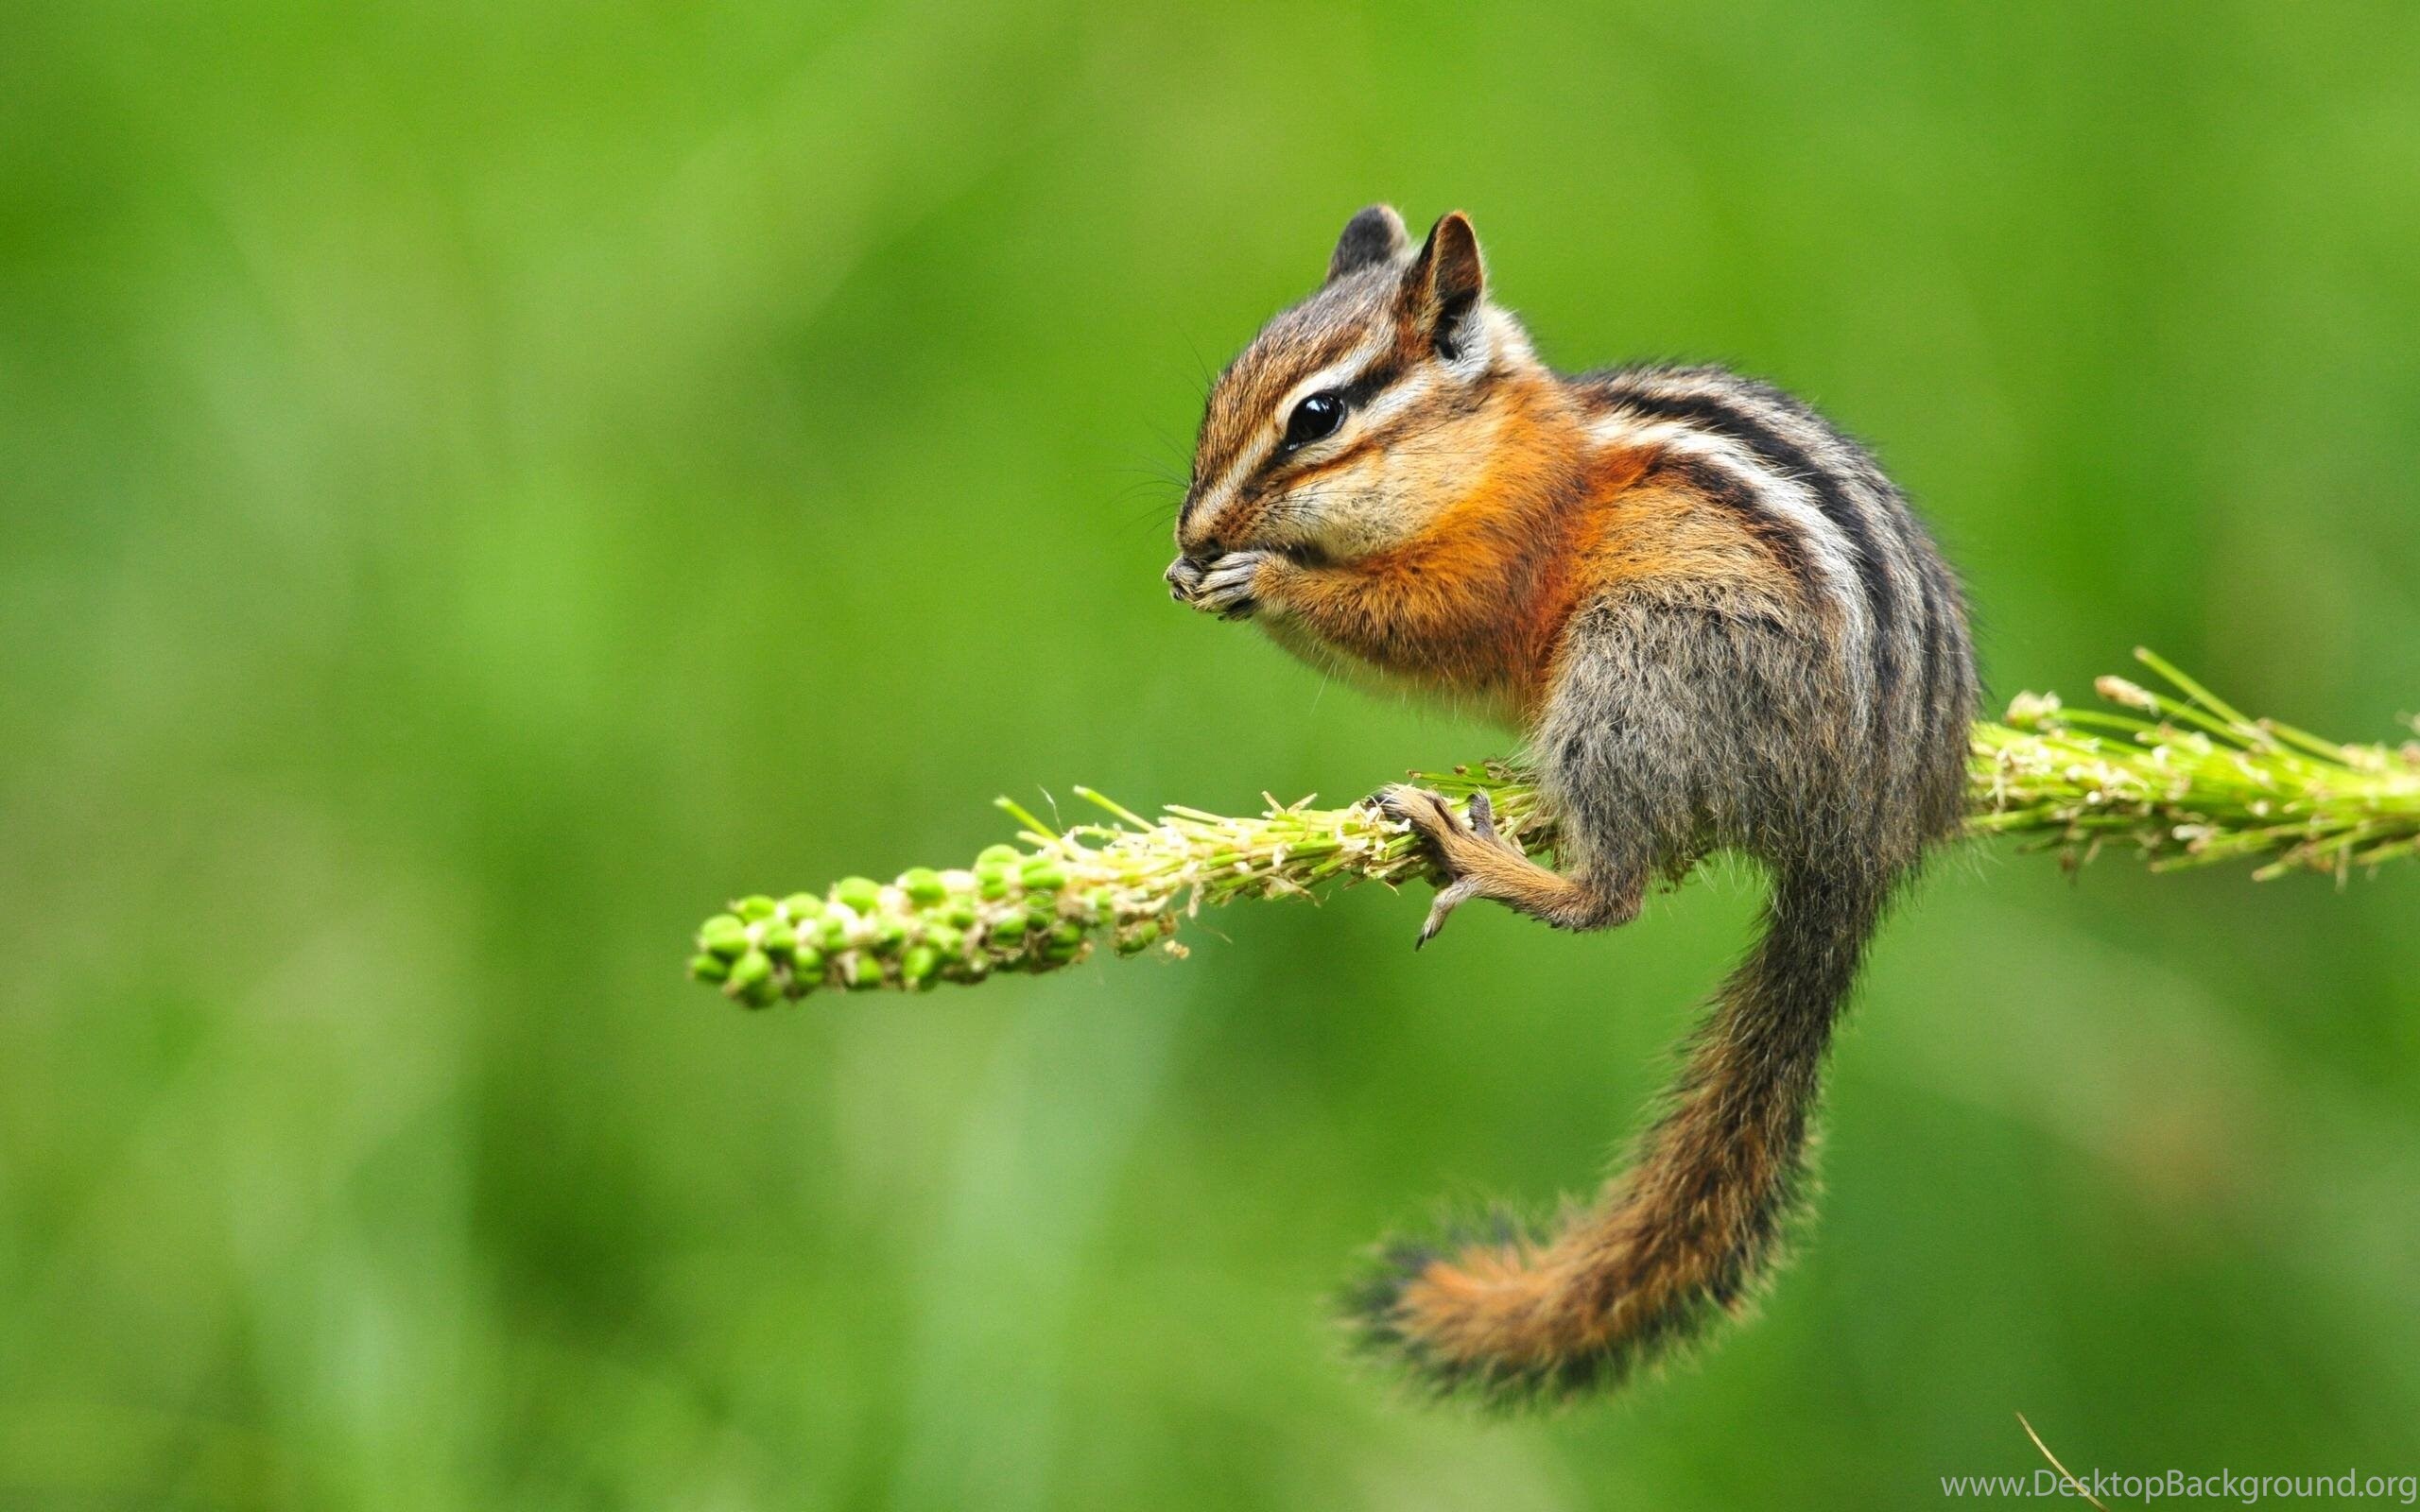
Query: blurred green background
x=481, y=484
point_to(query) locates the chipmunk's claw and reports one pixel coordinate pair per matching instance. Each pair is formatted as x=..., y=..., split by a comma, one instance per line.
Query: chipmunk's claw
x=1483, y=819
x=1450, y=896
x=1446, y=832
x=1184, y=575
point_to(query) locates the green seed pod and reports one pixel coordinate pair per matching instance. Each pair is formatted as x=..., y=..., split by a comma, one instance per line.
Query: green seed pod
x=780, y=940
x=834, y=933
x=960, y=914
x=754, y=907
x=923, y=885
x=887, y=933
x=801, y=905
x=724, y=936
x=949, y=941
x=867, y=974
x=808, y=967
x=1041, y=874
x=1103, y=903
x=751, y=971
x=991, y=881
x=916, y=968
x=1134, y=941
x=1066, y=933
x=1000, y=855
x=709, y=967
x=863, y=894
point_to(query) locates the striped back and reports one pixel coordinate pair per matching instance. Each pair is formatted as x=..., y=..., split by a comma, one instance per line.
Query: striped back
x=1908, y=655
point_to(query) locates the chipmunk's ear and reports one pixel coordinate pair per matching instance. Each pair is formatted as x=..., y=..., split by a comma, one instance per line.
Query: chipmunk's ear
x=1443, y=289
x=1374, y=235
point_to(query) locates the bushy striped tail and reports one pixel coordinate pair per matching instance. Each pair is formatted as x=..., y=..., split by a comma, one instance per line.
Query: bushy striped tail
x=1682, y=1238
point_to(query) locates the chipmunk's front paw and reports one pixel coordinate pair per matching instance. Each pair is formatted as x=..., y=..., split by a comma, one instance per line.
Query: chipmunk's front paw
x=1235, y=586
x=1457, y=846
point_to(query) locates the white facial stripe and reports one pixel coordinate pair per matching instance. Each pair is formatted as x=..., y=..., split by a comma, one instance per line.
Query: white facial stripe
x=1362, y=507
x=1397, y=398
x=1339, y=374
x=1251, y=458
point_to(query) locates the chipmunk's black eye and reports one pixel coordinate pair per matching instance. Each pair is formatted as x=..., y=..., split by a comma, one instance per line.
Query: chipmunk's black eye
x=1314, y=419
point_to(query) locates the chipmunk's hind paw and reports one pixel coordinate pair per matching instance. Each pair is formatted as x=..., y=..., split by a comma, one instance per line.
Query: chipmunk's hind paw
x=1451, y=839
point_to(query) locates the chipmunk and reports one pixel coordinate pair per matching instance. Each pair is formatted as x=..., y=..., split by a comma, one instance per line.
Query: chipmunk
x=1718, y=625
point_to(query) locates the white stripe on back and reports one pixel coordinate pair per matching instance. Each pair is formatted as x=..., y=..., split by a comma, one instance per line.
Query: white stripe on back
x=1788, y=500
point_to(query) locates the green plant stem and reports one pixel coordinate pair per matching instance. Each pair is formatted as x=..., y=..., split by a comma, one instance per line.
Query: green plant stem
x=2181, y=777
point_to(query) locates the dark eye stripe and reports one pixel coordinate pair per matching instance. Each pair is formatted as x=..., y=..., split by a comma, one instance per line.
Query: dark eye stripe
x=1301, y=432
x=1373, y=379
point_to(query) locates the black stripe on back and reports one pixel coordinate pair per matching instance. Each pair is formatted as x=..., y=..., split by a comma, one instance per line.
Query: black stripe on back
x=1787, y=457
x=1721, y=487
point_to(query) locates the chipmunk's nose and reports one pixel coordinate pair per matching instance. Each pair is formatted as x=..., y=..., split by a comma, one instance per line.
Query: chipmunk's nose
x=1185, y=575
